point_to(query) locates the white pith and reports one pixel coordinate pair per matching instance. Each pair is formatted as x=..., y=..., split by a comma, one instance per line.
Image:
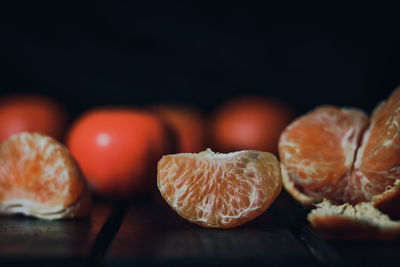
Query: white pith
x=363, y=212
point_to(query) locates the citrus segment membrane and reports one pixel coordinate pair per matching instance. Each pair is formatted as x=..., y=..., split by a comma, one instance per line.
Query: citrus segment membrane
x=219, y=190
x=39, y=178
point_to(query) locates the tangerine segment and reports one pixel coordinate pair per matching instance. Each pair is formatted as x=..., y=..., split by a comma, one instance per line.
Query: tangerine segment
x=38, y=177
x=318, y=150
x=219, y=190
x=377, y=165
x=361, y=221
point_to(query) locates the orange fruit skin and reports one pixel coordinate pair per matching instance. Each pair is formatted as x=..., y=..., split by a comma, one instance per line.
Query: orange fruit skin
x=247, y=123
x=361, y=221
x=31, y=113
x=387, y=201
x=38, y=172
x=344, y=228
x=188, y=125
x=219, y=190
x=117, y=149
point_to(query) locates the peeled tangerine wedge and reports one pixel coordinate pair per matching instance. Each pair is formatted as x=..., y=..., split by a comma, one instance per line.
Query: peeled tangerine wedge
x=219, y=190
x=39, y=178
x=341, y=155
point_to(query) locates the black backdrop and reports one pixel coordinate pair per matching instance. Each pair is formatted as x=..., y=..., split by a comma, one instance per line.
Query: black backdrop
x=137, y=53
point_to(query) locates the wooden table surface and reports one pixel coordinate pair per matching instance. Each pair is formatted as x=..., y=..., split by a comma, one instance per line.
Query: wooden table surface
x=145, y=233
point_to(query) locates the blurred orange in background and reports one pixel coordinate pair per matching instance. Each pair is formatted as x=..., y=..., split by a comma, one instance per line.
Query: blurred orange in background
x=249, y=122
x=31, y=113
x=117, y=149
x=187, y=123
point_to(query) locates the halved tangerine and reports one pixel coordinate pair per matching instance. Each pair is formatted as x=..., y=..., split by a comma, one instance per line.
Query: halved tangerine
x=39, y=178
x=219, y=190
x=340, y=155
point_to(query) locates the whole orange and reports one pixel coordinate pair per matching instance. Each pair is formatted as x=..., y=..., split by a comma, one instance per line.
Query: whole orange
x=188, y=125
x=117, y=149
x=249, y=122
x=31, y=113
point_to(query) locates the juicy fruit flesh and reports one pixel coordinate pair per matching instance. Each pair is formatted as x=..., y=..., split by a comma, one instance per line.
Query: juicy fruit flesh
x=37, y=176
x=219, y=190
x=345, y=159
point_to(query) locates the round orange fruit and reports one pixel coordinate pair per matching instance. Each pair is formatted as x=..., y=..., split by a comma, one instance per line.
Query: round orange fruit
x=31, y=113
x=118, y=149
x=187, y=123
x=249, y=123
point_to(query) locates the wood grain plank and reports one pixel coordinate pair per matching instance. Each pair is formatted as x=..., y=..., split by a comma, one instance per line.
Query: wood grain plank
x=154, y=234
x=334, y=252
x=32, y=240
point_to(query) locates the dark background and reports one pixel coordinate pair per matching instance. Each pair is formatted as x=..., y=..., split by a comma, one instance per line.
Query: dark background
x=305, y=53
